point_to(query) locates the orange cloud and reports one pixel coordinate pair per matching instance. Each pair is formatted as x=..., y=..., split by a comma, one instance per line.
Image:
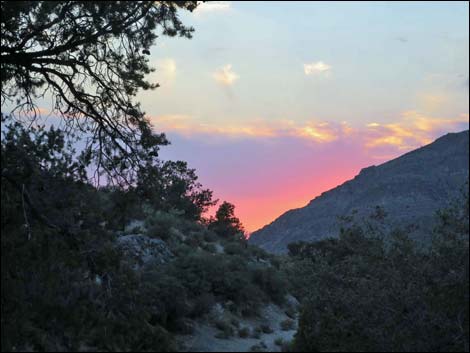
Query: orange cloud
x=412, y=130
x=320, y=132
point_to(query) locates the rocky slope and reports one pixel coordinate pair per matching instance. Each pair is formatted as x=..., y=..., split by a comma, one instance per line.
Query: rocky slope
x=410, y=189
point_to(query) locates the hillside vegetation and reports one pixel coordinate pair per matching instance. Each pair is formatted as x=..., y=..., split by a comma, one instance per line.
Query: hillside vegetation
x=115, y=268
x=370, y=291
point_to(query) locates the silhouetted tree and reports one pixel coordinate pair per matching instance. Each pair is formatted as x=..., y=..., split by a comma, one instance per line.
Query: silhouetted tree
x=91, y=58
x=225, y=223
x=172, y=185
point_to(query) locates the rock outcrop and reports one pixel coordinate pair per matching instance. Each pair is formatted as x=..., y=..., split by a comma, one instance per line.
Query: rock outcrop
x=141, y=250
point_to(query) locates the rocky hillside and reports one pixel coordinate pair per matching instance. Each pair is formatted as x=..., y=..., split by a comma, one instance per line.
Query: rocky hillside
x=219, y=294
x=410, y=188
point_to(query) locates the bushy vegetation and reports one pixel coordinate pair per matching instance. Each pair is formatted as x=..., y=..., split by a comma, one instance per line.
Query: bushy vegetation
x=65, y=283
x=67, y=286
x=363, y=293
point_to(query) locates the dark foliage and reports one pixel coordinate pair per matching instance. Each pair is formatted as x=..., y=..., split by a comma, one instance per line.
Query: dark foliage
x=360, y=293
x=91, y=58
x=67, y=286
x=225, y=222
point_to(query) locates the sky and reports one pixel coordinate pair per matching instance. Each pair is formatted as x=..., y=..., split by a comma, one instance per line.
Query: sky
x=274, y=103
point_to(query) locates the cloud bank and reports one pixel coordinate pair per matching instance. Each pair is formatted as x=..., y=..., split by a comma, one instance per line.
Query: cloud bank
x=410, y=130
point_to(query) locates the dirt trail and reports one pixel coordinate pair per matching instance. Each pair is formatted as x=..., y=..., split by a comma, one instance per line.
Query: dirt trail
x=203, y=339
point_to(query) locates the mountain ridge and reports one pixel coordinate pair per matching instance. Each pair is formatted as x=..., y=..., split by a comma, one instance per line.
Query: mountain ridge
x=403, y=186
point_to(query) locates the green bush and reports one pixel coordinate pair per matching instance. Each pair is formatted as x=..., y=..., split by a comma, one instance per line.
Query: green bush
x=272, y=282
x=160, y=223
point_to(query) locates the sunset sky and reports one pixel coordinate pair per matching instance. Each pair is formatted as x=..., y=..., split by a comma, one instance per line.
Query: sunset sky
x=274, y=103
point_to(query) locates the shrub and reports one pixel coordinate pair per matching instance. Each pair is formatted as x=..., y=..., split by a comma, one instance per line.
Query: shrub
x=159, y=224
x=279, y=341
x=209, y=247
x=203, y=304
x=257, y=253
x=272, y=282
x=234, y=248
x=210, y=237
x=364, y=295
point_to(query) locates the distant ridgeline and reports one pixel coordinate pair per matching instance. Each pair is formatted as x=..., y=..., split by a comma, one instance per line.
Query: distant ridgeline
x=409, y=189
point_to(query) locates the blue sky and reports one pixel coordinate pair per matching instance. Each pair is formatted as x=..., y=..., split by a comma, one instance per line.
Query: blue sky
x=384, y=58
